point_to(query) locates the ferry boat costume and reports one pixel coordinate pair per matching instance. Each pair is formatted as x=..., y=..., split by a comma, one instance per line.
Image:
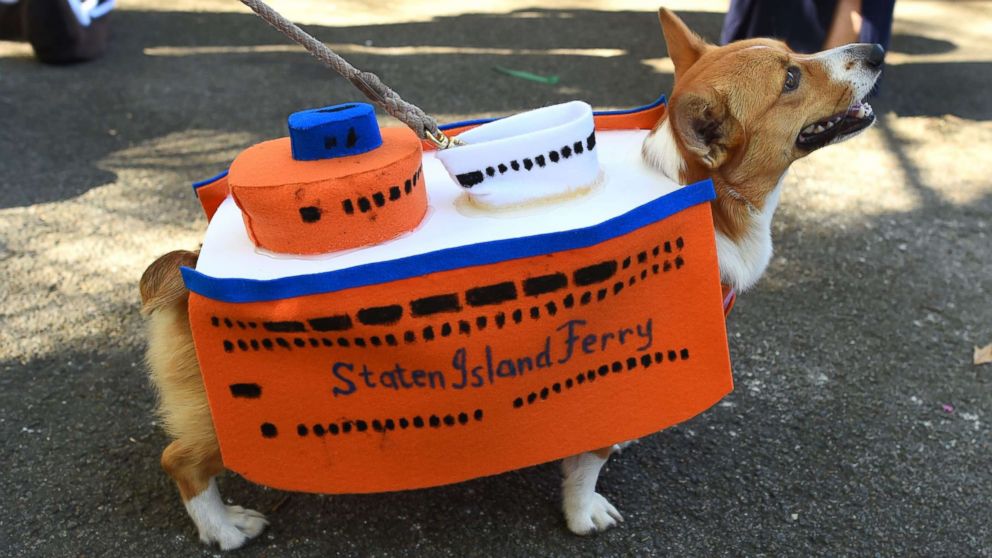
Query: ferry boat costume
x=372, y=315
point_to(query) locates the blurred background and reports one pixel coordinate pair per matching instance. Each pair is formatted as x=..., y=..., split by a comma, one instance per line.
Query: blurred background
x=859, y=423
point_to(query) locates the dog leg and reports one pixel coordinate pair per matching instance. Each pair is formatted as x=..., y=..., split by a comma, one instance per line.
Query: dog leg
x=587, y=511
x=228, y=526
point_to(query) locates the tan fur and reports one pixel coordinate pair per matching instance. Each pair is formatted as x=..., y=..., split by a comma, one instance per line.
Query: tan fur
x=194, y=456
x=752, y=128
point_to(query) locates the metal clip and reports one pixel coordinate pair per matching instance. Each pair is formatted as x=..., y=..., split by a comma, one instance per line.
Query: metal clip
x=440, y=140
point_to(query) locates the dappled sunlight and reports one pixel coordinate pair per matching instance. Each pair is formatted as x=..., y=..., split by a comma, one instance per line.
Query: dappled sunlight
x=87, y=253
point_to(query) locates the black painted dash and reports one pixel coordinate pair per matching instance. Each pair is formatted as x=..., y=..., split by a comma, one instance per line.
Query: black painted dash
x=339, y=322
x=491, y=294
x=594, y=273
x=380, y=315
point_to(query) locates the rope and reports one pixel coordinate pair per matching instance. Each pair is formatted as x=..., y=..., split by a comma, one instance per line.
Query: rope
x=368, y=83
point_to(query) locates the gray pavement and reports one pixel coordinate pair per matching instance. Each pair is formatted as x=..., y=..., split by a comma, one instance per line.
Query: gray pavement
x=858, y=425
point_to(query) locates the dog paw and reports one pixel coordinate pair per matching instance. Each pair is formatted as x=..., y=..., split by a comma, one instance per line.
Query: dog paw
x=590, y=514
x=234, y=527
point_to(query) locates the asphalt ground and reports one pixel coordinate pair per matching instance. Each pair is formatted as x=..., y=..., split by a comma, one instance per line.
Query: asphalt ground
x=858, y=426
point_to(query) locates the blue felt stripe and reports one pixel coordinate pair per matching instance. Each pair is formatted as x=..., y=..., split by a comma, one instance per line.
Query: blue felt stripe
x=211, y=180
x=659, y=101
x=254, y=290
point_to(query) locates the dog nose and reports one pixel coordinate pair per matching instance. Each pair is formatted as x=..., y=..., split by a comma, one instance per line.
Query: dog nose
x=876, y=55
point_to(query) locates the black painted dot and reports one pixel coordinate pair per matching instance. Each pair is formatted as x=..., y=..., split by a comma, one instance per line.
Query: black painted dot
x=361, y=425
x=282, y=343
x=428, y=333
x=491, y=171
x=568, y=301
x=254, y=344
x=540, y=160
x=379, y=199
x=556, y=387
x=228, y=322
x=242, y=345
x=667, y=266
x=617, y=287
x=348, y=206
x=299, y=342
x=544, y=393
x=302, y=430
x=518, y=402
x=407, y=187
x=409, y=337
x=535, y=312
x=269, y=430
x=390, y=425
x=655, y=268
x=314, y=343
x=502, y=168
x=668, y=247
x=391, y=340
x=577, y=146
x=552, y=308
x=352, y=138
x=580, y=378
x=684, y=353
x=566, y=152
x=477, y=415
x=631, y=363
x=445, y=329
x=435, y=421
x=377, y=425
x=310, y=214
x=644, y=274
x=464, y=327
x=528, y=164
x=601, y=294
x=333, y=428
x=318, y=429
x=228, y=346
x=241, y=324
x=346, y=427
x=642, y=257
x=418, y=422
x=646, y=361
x=679, y=262
x=394, y=193
x=515, y=165
x=214, y=321
x=518, y=315
x=481, y=322
x=679, y=243
x=463, y=418
x=616, y=366
x=604, y=370
x=626, y=262
x=364, y=204
x=586, y=297
x=500, y=319
x=267, y=343
x=591, y=375
x=655, y=250
x=375, y=340
x=449, y=420
x=568, y=383
x=672, y=355
x=553, y=155
x=658, y=357
x=531, y=397
x=343, y=342
x=404, y=423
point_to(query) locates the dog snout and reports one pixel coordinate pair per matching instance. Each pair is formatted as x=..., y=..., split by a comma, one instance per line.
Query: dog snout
x=875, y=57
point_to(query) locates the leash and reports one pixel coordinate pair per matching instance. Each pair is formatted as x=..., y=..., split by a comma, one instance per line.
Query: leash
x=422, y=124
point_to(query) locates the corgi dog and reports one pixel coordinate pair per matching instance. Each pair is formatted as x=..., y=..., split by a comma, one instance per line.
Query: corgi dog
x=739, y=114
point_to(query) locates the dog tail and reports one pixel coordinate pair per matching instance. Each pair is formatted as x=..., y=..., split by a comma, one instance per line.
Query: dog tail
x=162, y=284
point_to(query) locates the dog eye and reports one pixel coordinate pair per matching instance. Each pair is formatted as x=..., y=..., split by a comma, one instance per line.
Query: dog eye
x=791, y=79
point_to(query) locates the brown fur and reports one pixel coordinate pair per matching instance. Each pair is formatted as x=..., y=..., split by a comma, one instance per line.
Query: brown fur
x=715, y=119
x=194, y=456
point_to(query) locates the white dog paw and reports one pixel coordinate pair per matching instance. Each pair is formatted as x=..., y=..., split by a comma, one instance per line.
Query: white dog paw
x=590, y=514
x=229, y=527
x=233, y=528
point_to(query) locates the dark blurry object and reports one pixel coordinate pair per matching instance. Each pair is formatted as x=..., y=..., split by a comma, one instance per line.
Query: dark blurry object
x=810, y=25
x=60, y=31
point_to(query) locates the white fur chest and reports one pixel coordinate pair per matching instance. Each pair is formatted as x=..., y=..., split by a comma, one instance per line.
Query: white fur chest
x=743, y=262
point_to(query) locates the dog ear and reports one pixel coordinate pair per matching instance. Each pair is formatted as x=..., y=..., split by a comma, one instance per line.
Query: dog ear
x=684, y=46
x=703, y=122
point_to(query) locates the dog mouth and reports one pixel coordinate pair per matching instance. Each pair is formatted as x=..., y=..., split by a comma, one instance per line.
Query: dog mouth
x=838, y=127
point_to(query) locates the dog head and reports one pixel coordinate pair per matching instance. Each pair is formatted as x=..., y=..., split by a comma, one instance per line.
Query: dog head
x=751, y=108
